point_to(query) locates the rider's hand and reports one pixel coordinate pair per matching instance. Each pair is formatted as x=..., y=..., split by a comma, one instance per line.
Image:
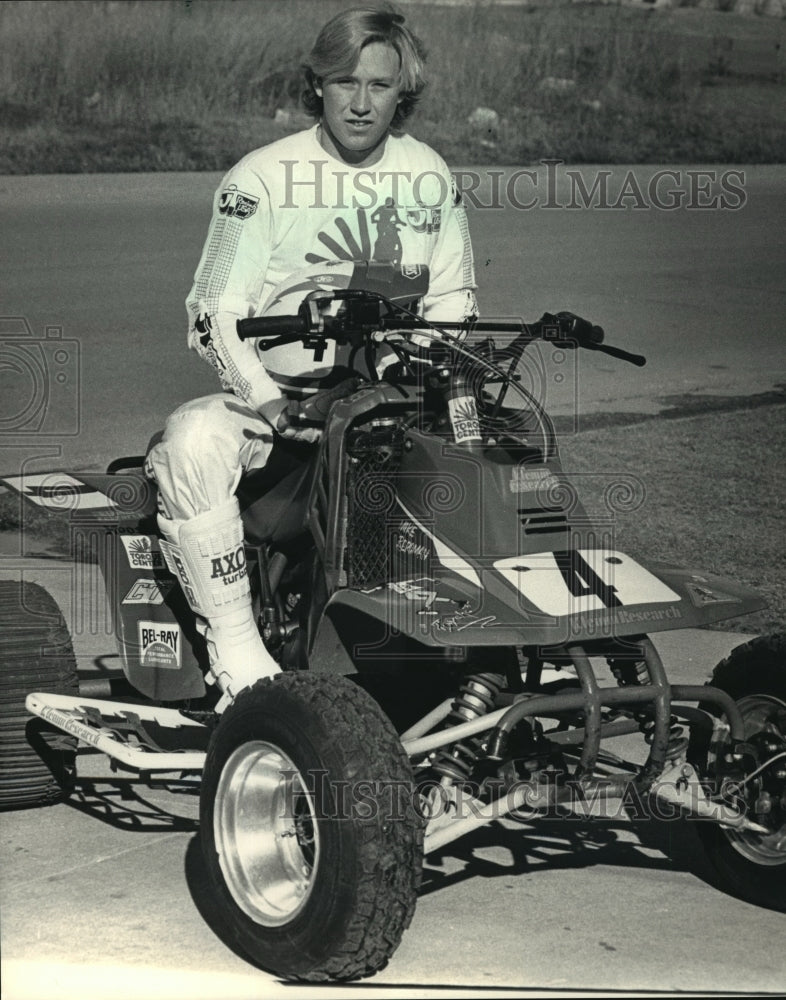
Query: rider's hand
x=291, y=427
x=304, y=420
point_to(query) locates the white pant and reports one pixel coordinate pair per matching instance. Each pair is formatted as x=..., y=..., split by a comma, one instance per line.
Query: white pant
x=207, y=444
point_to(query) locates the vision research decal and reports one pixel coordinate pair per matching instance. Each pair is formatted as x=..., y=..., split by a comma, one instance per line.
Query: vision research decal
x=146, y=591
x=143, y=551
x=160, y=645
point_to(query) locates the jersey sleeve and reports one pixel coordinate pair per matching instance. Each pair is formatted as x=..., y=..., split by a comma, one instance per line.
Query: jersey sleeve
x=228, y=282
x=451, y=295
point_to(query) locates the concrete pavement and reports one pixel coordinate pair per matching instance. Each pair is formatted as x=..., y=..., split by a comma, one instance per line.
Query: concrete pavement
x=105, y=896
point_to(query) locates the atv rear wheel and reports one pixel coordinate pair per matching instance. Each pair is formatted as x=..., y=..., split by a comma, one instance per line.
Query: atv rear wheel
x=751, y=864
x=312, y=841
x=37, y=761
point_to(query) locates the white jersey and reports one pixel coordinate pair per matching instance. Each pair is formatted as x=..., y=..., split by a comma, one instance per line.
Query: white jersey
x=290, y=205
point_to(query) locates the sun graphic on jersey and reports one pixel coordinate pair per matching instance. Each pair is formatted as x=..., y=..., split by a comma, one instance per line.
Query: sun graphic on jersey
x=347, y=246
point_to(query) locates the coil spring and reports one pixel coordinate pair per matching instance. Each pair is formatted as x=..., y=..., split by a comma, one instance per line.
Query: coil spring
x=476, y=696
x=629, y=674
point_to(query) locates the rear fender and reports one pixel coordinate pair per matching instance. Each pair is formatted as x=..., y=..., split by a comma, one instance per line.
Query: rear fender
x=110, y=520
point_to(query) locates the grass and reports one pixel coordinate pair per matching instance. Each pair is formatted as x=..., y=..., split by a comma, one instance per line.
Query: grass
x=713, y=498
x=170, y=85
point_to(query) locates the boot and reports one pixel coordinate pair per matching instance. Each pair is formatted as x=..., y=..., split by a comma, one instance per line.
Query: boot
x=206, y=554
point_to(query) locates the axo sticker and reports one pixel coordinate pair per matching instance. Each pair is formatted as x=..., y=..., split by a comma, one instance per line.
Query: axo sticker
x=160, y=645
x=229, y=567
x=148, y=591
x=143, y=551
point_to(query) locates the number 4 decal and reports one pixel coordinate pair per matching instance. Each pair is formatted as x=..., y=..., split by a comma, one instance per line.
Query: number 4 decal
x=582, y=580
x=568, y=583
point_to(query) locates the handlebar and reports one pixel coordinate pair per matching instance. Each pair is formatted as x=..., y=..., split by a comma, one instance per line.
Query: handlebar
x=369, y=313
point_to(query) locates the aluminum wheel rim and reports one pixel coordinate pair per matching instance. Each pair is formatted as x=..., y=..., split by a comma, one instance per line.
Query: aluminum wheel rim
x=266, y=833
x=760, y=713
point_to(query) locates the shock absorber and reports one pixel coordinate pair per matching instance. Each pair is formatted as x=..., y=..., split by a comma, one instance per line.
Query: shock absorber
x=476, y=697
x=633, y=674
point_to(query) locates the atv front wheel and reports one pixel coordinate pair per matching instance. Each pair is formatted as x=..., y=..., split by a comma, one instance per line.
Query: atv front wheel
x=312, y=840
x=37, y=761
x=753, y=864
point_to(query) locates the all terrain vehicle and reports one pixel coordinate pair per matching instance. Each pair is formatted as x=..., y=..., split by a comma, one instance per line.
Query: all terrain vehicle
x=458, y=641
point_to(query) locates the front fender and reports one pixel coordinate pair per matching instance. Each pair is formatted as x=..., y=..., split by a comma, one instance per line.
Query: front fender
x=438, y=610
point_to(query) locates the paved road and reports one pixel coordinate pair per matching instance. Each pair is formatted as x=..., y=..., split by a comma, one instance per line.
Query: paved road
x=104, y=897
x=109, y=259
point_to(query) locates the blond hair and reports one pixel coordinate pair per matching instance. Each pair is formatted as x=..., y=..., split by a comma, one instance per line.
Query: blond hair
x=339, y=44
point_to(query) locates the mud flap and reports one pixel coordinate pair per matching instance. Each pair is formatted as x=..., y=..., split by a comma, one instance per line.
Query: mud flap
x=111, y=521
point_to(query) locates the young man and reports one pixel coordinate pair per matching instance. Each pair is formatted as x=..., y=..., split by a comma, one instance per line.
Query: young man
x=351, y=187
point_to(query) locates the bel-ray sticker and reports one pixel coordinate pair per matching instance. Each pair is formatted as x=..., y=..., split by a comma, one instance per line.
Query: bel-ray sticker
x=160, y=645
x=579, y=580
x=60, y=492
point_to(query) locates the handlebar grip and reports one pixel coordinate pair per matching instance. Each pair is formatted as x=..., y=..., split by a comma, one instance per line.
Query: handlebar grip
x=580, y=330
x=616, y=352
x=596, y=335
x=271, y=326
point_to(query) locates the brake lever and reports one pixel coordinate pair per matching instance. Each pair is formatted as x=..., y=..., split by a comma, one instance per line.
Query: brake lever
x=283, y=338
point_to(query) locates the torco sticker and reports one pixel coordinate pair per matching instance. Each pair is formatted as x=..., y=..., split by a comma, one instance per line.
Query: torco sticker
x=236, y=204
x=160, y=645
x=148, y=591
x=143, y=551
x=464, y=418
x=58, y=491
